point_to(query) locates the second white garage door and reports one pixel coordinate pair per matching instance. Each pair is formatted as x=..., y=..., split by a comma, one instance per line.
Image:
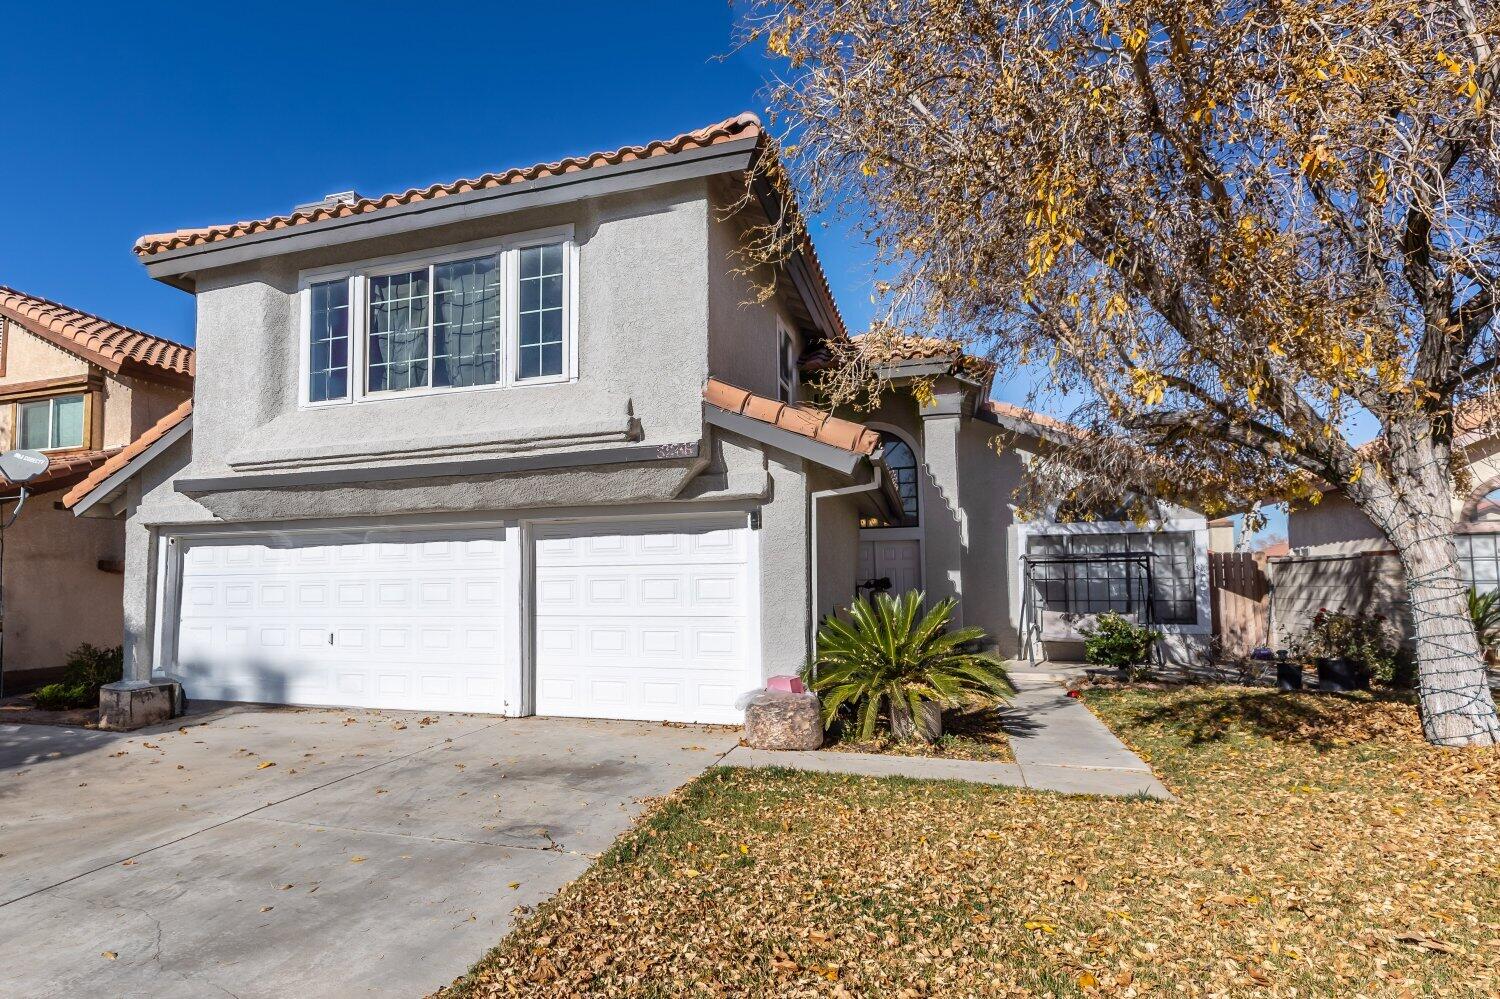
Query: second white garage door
x=645, y=619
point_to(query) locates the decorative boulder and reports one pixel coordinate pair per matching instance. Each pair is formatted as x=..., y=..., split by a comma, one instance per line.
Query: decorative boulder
x=782, y=719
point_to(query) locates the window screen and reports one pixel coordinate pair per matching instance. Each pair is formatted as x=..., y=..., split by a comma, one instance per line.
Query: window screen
x=1085, y=587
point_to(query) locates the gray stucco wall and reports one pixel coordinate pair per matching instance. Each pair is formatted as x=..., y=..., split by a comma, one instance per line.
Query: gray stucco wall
x=642, y=351
x=743, y=340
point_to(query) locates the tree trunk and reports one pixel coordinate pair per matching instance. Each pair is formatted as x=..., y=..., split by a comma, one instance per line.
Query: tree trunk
x=928, y=726
x=1458, y=708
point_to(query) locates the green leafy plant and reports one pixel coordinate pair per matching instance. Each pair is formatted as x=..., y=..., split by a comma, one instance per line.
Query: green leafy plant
x=63, y=696
x=1365, y=639
x=1114, y=640
x=888, y=655
x=1484, y=611
x=92, y=667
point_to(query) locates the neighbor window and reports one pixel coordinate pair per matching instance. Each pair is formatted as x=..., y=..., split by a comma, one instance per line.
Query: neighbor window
x=1479, y=560
x=495, y=318
x=1092, y=583
x=50, y=424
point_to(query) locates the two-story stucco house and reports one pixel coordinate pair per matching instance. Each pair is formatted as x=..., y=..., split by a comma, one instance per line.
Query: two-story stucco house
x=76, y=388
x=531, y=443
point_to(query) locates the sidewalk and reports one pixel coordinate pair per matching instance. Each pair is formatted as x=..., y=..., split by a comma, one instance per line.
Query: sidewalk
x=1058, y=744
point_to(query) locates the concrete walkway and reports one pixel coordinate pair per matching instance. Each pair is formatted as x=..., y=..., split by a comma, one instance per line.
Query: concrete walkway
x=1058, y=744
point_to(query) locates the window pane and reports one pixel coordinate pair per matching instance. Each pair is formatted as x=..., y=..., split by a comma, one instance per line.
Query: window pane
x=540, y=311
x=398, y=357
x=328, y=341
x=35, y=431
x=67, y=421
x=466, y=322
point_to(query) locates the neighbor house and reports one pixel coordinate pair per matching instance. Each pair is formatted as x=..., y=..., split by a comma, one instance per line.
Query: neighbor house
x=76, y=388
x=1338, y=559
x=533, y=443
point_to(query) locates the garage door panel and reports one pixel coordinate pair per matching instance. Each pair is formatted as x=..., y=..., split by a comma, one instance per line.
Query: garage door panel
x=418, y=623
x=643, y=620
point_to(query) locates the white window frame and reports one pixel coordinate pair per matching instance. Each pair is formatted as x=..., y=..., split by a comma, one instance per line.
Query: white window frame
x=359, y=274
x=51, y=404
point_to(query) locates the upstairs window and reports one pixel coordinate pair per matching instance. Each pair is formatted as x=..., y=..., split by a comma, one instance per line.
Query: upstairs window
x=492, y=318
x=50, y=424
x=786, y=368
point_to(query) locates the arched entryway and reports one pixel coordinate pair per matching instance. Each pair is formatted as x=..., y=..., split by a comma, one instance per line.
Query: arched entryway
x=890, y=551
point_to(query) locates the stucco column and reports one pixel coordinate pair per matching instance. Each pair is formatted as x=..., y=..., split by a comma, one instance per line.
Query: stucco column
x=783, y=540
x=139, y=608
x=945, y=532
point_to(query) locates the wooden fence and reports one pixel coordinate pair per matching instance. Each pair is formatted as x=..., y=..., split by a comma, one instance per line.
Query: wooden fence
x=1240, y=591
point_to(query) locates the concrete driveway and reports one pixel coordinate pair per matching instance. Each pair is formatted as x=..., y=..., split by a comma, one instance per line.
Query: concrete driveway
x=274, y=852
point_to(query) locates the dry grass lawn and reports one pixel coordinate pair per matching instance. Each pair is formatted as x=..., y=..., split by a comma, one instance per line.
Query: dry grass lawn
x=1318, y=848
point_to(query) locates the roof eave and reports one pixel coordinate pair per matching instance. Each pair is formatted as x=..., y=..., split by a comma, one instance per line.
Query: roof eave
x=836, y=458
x=177, y=267
x=106, y=491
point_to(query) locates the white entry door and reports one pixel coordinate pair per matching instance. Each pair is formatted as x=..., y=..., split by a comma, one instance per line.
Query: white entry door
x=421, y=621
x=898, y=561
x=645, y=619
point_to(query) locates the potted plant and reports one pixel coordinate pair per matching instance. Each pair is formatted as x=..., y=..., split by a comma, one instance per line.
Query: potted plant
x=889, y=658
x=1114, y=640
x=1484, y=611
x=1349, y=650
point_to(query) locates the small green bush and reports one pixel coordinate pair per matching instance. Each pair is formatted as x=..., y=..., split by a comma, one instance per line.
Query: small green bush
x=63, y=696
x=93, y=667
x=1114, y=640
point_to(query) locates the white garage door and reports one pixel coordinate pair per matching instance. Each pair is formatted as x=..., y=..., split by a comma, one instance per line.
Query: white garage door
x=411, y=621
x=648, y=620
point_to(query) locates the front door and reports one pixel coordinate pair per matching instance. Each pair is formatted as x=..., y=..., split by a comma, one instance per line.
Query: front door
x=900, y=562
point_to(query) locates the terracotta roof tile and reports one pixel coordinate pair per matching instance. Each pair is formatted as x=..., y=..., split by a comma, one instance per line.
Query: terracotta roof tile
x=62, y=469
x=121, y=457
x=113, y=347
x=741, y=126
x=803, y=420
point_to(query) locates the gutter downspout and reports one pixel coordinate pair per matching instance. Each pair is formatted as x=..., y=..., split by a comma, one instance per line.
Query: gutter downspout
x=812, y=554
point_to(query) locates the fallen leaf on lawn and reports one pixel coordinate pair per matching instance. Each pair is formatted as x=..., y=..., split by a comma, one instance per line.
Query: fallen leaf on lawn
x=688, y=872
x=1426, y=943
x=263, y=764
x=1087, y=981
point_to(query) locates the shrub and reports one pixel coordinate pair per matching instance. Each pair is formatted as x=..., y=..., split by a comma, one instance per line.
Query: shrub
x=62, y=696
x=1484, y=611
x=1114, y=640
x=889, y=655
x=1365, y=639
x=93, y=667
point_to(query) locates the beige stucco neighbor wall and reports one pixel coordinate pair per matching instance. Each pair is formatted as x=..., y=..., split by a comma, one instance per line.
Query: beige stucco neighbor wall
x=56, y=596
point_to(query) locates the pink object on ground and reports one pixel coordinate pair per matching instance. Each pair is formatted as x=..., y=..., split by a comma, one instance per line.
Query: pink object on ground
x=791, y=683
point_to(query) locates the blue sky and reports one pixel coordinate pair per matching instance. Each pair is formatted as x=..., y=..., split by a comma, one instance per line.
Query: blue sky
x=126, y=119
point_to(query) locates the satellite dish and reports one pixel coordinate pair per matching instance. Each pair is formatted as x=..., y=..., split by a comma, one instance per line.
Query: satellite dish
x=23, y=466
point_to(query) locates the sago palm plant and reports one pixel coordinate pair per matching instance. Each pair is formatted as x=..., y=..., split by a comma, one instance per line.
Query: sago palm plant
x=1484, y=611
x=890, y=655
